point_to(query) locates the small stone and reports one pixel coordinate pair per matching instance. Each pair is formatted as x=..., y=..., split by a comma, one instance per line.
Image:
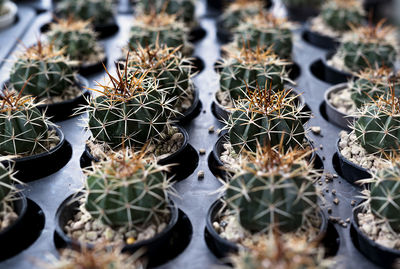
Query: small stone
x=91, y=236
x=211, y=129
x=109, y=234
x=316, y=130
x=329, y=210
x=78, y=225
x=319, y=182
x=334, y=192
x=130, y=240
x=200, y=174
x=216, y=225
x=161, y=227
x=336, y=201
x=348, y=220
x=321, y=147
x=344, y=225
x=202, y=151
x=353, y=203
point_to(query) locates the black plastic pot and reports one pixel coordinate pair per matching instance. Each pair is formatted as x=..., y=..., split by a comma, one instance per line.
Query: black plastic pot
x=86, y=69
x=373, y=251
x=333, y=75
x=300, y=14
x=198, y=64
x=333, y=114
x=224, y=35
x=350, y=171
x=197, y=33
x=157, y=247
x=43, y=164
x=185, y=159
x=192, y=112
x=319, y=40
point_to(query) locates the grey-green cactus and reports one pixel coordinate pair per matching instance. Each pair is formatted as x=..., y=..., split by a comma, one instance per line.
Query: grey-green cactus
x=249, y=68
x=127, y=191
x=273, y=190
x=266, y=118
x=238, y=11
x=264, y=30
x=98, y=11
x=49, y=73
x=6, y=187
x=339, y=14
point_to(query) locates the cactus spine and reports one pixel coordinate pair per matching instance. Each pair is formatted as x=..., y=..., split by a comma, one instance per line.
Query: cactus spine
x=98, y=11
x=6, y=188
x=49, y=73
x=239, y=10
x=339, y=14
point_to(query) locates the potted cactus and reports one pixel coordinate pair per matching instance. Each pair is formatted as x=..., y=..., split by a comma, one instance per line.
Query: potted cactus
x=125, y=202
x=100, y=12
x=344, y=99
x=79, y=42
x=52, y=80
x=301, y=10
x=375, y=136
x=335, y=18
x=8, y=13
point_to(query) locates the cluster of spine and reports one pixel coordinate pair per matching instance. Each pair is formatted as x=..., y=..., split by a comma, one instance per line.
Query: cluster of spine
x=238, y=11
x=370, y=84
x=7, y=188
x=171, y=69
x=24, y=129
x=378, y=125
x=272, y=189
x=2, y=2
x=264, y=30
x=98, y=11
x=250, y=68
x=303, y=3
x=42, y=71
x=279, y=251
x=340, y=14
x=130, y=110
x=75, y=37
x=368, y=46
x=159, y=28
x=266, y=118
x=128, y=190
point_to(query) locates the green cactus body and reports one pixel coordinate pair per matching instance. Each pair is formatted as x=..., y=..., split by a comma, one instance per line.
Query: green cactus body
x=385, y=196
x=6, y=181
x=254, y=68
x=265, y=31
x=126, y=192
x=339, y=14
x=99, y=11
x=49, y=73
x=238, y=11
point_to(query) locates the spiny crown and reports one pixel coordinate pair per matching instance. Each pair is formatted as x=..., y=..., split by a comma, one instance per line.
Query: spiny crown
x=268, y=20
x=372, y=34
x=344, y=4
x=382, y=75
x=42, y=52
x=239, y=5
x=13, y=101
x=70, y=24
x=388, y=105
x=159, y=20
x=248, y=56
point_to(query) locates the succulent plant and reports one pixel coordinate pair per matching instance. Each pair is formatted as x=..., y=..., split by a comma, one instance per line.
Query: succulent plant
x=378, y=125
x=370, y=84
x=303, y=3
x=6, y=188
x=127, y=191
x=339, y=14
x=98, y=11
x=368, y=46
x=184, y=9
x=75, y=38
x=264, y=30
x=49, y=73
x=24, y=129
x=266, y=118
x=239, y=10
x=159, y=28
x=130, y=110
x=272, y=189
x=248, y=68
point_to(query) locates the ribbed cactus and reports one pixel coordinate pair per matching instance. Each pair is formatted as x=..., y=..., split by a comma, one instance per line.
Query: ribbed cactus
x=248, y=68
x=158, y=28
x=184, y=9
x=24, y=129
x=368, y=46
x=271, y=189
x=303, y=3
x=339, y=14
x=378, y=125
x=370, y=84
x=264, y=30
x=48, y=71
x=75, y=38
x=127, y=191
x=239, y=10
x=6, y=187
x=266, y=118
x=98, y=11
x=130, y=110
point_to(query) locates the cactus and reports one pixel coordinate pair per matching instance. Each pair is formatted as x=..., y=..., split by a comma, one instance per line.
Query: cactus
x=24, y=129
x=130, y=110
x=272, y=189
x=239, y=10
x=378, y=125
x=384, y=198
x=184, y=9
x=339, y=14
x=254, y=67
x=266, y=117
x=159, y=28
x=168, y=66
x=370, y=84
x=98, y=11
x=127, y=191
x=264, y=30
x=48, y=71
x=368, y=46
x=303, y=3
x=75, y=38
